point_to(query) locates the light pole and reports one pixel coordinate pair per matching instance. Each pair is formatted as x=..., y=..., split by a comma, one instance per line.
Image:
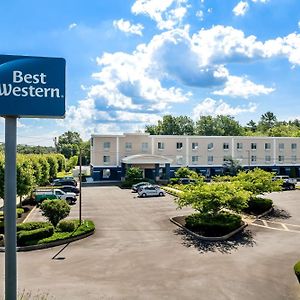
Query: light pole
x=80, y=181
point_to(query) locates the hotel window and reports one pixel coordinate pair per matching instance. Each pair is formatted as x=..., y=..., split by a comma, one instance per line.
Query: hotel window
x=210, y=146
x=253, y=158
x=106, y=146
x=106, y=173
x=92, y=142
x=144, y=147
x=267, y=158
x=106, y=159
x=253, y=146
x=294, y=147
x=225, y=146
x=179, y=146
x=128, y=146
x=294, y=158
x=210, y=159
x=160, y=145
x=281, y=158
x=194, y=146
x=281, y=146
x=179, y=159
x=239, y=146
x=267, y=146
x=195, y=159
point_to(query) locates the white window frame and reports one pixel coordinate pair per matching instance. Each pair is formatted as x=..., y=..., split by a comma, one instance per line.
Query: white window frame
x=210, y=148
x=281, y=146
x=253, y=146
x=105, y=144
x=195, y=146
x=269, y=146
x=281, y=159
x=179, y=159
x=294, y=159
x=195, y=159
x=160, y=145
x=253, y=159
x=239, y=146
x=180, y=144
x=127, y=148
x=227, y=146
x=210, y=159
x=294, y=148
x=106, y=159
x=268, y=161
x=145, y=149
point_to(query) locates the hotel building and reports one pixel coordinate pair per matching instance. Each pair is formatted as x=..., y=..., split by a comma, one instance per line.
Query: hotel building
x=159, y=156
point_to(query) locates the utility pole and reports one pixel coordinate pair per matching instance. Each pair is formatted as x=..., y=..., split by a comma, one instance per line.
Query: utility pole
x=80, y=181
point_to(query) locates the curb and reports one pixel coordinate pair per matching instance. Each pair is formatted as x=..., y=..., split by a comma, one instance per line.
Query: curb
x=51, y=244
x=265, y=213
x=205, y=238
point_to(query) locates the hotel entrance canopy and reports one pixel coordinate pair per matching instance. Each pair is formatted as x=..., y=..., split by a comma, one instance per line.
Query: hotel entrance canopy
x=146, y=159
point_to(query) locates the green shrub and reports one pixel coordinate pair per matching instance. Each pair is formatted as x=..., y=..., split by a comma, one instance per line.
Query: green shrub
x=257, y=205
x=55, y=210
x=297, y=270
x=20, y=211
x=85, y=227
x=1, y=227
x=174, y=180
x=66, y=226
x=28, y=226
x=30, y=237
x=213, y=225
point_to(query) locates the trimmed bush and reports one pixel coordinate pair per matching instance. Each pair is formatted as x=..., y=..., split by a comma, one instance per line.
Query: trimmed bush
x=297, y=270
x=20, y=211
x=66, y=226
x=32, y=226
x=258, y=205
x=213, y=225
x=55, y=210
x=30, y=237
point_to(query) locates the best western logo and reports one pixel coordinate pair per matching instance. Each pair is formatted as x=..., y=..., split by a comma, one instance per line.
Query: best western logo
x=34, y=86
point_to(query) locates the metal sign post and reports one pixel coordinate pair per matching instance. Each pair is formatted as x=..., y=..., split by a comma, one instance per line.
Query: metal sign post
x=30, y=87
x=10, y=209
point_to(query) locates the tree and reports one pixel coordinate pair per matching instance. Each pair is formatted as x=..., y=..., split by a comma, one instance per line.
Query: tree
x=25, y=177
x=68, y=143
x=53, y=166
x=257, y=182
x=211, y=199
x=86, y=152
x=37, y=168
x=251, y=125
x=71, y=163
x=133, y=173
x=55, y=210
x=231, y=166
x=218, y=126
x=185, y=172
x=45, y=170
x=61, y=162
x=185, y=125
x=267, y=121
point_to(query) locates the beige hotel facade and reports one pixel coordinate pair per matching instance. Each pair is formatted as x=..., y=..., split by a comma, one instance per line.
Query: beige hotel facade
x=159, y=156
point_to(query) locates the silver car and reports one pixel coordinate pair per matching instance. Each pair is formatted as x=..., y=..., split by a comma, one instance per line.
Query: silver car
x=150, y=190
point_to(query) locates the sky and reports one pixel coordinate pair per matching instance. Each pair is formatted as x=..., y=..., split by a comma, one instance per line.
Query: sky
x=131, y=62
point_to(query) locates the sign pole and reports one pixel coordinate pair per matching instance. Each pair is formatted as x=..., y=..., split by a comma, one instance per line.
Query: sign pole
x=10, y=208
x=80, y=181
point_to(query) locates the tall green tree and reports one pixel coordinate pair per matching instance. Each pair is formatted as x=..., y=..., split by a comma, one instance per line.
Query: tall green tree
x=68, y=143
x=267, y=121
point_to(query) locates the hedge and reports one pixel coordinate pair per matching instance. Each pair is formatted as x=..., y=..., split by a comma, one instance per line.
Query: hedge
x=259, y=205
x=29, y=237
x=218, y=225
x=66, y=226
x=32, y=226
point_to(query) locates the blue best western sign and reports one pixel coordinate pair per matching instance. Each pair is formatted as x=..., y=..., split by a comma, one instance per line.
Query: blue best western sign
x=32, y=86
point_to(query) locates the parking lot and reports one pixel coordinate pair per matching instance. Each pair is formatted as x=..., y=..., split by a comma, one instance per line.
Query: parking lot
x=137, y=253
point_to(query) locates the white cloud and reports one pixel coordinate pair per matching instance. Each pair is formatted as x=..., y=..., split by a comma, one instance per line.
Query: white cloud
x=242, y=87
x=127, y=27
x=241, y=8
x=200, y=15
x=72, y=26
x=219, y=107
x=261, y=1
x=167, y=13
x=299, y=24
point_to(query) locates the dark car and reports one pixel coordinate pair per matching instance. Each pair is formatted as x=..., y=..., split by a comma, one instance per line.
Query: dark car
x=69, y=189
x=60, y=182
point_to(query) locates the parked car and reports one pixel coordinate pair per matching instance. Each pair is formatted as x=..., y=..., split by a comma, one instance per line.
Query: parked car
x=136, y=186
x=288, y=183
x=40, y=195
x=69, y=189
x=150, y=190
x=62, y=181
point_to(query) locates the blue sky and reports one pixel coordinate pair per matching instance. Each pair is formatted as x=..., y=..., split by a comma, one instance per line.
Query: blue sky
x=131, y=62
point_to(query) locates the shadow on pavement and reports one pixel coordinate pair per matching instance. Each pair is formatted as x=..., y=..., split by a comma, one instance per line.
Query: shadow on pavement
x=242, y=239
x=278, y=213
